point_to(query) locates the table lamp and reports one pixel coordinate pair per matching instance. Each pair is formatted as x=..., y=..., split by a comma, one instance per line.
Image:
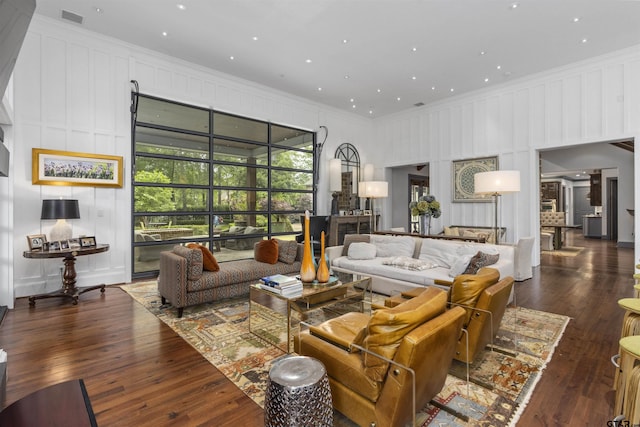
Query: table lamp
x=496, y=183
x=60, y=210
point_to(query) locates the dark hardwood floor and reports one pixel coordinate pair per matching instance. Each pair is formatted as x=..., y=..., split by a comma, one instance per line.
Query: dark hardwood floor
x=138, y=372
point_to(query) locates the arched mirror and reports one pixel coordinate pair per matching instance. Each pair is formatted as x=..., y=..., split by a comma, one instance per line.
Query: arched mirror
x=350, y=159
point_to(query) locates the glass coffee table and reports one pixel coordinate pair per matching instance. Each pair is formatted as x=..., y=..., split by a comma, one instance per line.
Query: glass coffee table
x=275, y=318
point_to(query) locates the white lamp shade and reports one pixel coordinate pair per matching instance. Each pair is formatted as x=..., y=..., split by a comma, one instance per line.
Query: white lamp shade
x=335, y=175
x=374, y=189
x=496, y=182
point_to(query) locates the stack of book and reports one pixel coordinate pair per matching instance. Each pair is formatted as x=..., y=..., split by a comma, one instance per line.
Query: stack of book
x=287, y=286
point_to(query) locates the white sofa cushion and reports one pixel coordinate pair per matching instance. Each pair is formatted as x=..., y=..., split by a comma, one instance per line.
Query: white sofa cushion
x=441, y=252
x=388, y=246
x=361, y=250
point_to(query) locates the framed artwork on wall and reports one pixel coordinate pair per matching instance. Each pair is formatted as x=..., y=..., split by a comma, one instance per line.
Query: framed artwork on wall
x=462, y=178
x=53, y=167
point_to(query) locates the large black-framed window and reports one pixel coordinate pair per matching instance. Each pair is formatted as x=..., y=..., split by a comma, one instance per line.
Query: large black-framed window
x=218, y=179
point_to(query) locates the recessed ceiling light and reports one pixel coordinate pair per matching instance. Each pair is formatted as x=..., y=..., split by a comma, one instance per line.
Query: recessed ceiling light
x=346, y=76
x=352, y=100
x=308, y=61
x=576, y=19
x=499, y=67
x=181, y=6
x=414, y=49
x=414, y=78
x=584, y=40
x=165, y=34
x=398, y=99
x=514, y=5
x=486, y=79
x=345, y=41
x=98, y=10
x=482, y=52
x=433, y=88
x=353, y=106
x=370, y=111
x=319, y=89
x=232, y=57
x=255, y=38
x=379, y=90
x=451, y=90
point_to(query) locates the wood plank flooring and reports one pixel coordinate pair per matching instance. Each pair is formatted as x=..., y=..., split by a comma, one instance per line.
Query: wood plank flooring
x=138, y=372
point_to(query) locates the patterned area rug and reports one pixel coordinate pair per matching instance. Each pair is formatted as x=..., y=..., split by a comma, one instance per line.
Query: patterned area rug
x=565, y=251
x=501, y=383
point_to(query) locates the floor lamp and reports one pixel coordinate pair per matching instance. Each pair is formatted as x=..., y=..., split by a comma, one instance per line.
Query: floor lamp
x=374, y=190
x=496, y=183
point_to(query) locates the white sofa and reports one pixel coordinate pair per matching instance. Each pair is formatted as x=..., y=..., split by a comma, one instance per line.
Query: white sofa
x=435, y=262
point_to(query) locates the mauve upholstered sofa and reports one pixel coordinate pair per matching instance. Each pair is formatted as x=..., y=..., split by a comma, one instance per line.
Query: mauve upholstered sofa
x=184, y=282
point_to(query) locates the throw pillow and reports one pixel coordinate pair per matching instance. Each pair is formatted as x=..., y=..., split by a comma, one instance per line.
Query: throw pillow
x=361, y=250
x=287, y=251
x=266, y=251
x=480, y=260
x=460, y=265
x=209, y=262
x=451, y=231
x=352, y=238
x=408, y=263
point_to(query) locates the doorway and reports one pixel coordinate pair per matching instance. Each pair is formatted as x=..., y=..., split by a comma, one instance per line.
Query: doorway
x=612, y=208
x=418, y=186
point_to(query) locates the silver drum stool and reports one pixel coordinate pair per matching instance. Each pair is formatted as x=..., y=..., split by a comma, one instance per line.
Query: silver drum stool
x=298, y=394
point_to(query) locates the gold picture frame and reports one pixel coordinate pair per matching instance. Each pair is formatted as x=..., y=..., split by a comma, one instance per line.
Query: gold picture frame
x=463, y=181
x=53, y=167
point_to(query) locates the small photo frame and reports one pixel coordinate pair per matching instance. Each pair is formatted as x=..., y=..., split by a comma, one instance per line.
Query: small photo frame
x=54, y=246
x=366, y=212
x=64, y=245
x=87, y=242
x=36, y=242
x=74, y=243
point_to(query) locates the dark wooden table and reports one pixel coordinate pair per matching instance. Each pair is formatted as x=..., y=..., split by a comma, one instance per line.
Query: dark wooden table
x=69, y=289
x=64, y=404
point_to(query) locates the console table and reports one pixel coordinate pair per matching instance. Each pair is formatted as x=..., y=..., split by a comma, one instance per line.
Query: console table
x=69, y=289
x=340, y=225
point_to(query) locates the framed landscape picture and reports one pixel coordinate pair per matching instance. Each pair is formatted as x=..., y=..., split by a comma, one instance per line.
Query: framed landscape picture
x=462, y=178
x=52, y=167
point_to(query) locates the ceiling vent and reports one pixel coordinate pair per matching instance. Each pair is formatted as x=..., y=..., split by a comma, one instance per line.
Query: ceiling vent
x=418, y=104
x=73, y=17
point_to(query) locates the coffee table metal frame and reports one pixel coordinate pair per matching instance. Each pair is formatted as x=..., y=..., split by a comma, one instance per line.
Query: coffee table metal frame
x=314, y=296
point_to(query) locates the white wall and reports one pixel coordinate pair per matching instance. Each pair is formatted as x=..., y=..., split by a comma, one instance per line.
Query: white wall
x=72, y=92
x=592, y=101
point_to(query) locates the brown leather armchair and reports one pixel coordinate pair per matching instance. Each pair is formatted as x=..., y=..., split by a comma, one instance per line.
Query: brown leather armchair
x=484, y=313
x=415, y=341
x=484, y=299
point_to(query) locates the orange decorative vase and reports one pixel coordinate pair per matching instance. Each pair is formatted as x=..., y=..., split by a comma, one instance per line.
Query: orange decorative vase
x=323, y=270
x=307, y=270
